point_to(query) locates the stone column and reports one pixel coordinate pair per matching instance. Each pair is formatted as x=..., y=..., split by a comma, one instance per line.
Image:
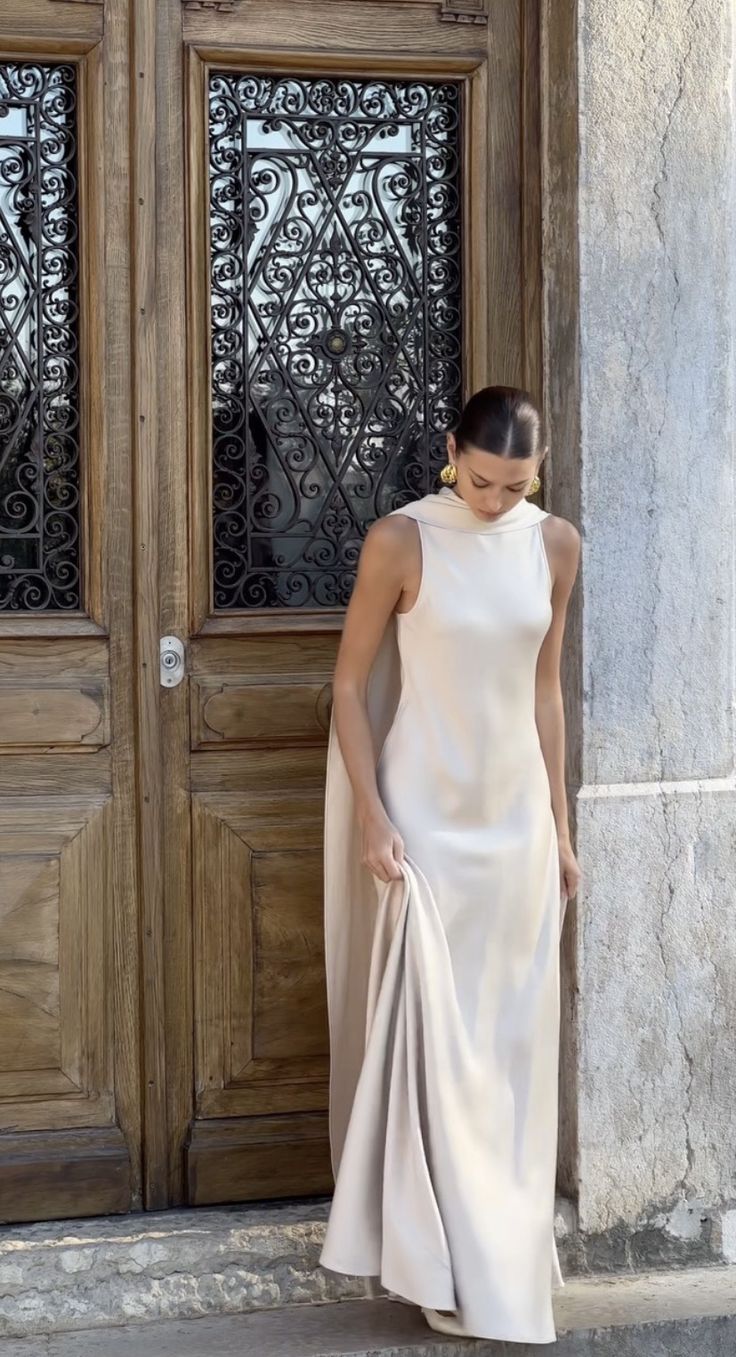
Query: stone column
x=643, y=459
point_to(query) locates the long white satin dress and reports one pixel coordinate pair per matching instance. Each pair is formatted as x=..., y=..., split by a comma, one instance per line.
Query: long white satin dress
x=443, y=987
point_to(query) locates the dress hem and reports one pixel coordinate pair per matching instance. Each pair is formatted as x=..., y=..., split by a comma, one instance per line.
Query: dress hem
x=496, y=1336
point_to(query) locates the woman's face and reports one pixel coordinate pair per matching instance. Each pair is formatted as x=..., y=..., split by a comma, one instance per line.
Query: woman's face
x=489, y=484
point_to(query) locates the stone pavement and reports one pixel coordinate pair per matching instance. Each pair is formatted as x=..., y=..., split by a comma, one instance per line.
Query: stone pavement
x=674, y=1314
x=59, y=1276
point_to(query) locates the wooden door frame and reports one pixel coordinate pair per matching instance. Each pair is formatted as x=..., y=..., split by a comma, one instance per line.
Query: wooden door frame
x=560, y=329
x=165, y=429
x=145, y=443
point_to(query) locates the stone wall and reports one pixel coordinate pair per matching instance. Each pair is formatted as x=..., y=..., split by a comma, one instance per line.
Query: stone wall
x=651, y=1142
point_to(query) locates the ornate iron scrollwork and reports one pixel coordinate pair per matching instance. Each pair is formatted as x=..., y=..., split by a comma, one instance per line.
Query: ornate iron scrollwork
x=335, y=221
x=39, y=344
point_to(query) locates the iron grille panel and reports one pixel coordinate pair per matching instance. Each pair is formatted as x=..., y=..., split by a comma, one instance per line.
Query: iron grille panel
x=336, y=321
x=39, y=339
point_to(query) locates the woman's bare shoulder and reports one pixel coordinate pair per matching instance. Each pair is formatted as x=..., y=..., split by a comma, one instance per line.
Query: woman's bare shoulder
x=395, y=534
x=389, y=553
x=562, y=542
x=562, y=534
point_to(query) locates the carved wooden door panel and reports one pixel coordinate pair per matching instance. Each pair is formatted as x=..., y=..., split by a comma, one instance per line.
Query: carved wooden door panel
x=69, y=1023
x=360, y=250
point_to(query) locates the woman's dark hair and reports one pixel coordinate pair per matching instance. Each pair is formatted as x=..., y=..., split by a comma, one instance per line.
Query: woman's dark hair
x=501, y=419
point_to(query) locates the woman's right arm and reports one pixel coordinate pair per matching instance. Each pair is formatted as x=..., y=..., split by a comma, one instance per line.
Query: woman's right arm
x=383, y=569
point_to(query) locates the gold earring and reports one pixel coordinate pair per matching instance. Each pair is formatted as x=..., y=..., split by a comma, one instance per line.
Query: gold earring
x=535, y=486
x=448, y=474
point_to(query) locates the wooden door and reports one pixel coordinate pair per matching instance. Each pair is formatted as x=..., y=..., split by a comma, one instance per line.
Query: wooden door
x=347, y=243
x=69, y=998
x=252, y=257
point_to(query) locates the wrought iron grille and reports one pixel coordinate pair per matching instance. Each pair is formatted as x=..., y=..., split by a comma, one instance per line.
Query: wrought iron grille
x=335, y=238
x=39, y=341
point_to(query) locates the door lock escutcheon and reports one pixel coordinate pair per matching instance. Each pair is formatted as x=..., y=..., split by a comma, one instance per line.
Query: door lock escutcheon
x=172, y=667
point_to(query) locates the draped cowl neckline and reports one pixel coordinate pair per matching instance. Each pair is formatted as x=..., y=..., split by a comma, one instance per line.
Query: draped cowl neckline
x=446, y=509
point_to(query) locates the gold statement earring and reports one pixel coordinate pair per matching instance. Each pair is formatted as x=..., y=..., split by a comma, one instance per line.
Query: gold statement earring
x=535, y=486
x=448, y=474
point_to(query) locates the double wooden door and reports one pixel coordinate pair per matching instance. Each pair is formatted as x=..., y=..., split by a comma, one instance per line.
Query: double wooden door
x=252, y=257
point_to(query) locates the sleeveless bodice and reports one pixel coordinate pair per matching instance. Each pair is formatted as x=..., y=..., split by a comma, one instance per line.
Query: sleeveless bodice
x=468, y=650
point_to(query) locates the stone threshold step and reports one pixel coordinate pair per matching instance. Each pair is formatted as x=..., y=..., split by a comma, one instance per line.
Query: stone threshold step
x=690, y=1313
x=180, y=1264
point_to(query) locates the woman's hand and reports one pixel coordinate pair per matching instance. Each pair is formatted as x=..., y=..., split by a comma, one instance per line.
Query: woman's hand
x=570, y=874
x=382, y=846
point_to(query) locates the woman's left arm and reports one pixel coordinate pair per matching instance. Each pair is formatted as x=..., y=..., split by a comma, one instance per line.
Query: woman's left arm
x=562, y=544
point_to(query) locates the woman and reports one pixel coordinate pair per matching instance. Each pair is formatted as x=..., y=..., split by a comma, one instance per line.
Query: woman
x=448, y=864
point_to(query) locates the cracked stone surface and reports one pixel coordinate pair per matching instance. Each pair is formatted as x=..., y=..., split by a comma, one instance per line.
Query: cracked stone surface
x=657, y=340
x=647, y=1315
x=63, y=1275
x=657, y=1010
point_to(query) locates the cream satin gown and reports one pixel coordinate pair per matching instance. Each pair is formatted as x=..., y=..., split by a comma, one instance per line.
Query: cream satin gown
x=443, y=987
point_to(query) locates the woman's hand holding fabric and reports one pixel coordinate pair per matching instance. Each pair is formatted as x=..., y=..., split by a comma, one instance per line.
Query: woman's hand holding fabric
x=382, y=849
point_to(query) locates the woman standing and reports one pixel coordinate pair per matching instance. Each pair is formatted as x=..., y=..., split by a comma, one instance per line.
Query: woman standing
x=448, y=864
